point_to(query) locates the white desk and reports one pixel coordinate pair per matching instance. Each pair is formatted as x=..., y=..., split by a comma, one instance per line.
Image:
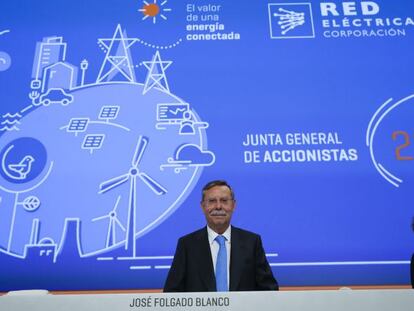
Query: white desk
x=340, y=300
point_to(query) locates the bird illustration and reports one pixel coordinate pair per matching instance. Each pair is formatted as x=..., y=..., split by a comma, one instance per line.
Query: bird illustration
x=23, y=167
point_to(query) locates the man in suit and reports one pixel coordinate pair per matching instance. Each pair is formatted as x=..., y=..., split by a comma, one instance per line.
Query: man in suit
x=219, y=257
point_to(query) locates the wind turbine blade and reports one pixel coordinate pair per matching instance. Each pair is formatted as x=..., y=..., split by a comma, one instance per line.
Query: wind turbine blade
x=119, y=224
x=139, y=151
x=112, y=183
x=116, y=203
x=130, y=239
x=113, y=232
x=99, y=218
x=108, y=234
x=156, y=187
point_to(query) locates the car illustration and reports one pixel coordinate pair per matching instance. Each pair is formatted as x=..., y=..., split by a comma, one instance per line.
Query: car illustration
x=58, y=96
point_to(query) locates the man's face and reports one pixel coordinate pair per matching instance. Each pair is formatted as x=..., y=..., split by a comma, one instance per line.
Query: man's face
x=218, y=207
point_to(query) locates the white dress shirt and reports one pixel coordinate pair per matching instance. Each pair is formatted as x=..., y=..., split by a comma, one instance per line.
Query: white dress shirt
x=214, y=248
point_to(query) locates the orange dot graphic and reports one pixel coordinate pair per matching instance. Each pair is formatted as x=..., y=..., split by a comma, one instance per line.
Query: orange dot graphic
x=151, y=9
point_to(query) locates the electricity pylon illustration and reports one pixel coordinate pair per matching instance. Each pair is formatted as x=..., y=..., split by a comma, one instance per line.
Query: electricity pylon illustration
x=117, y=58
x=132, y=175
x=113, y=222
x=156, y=74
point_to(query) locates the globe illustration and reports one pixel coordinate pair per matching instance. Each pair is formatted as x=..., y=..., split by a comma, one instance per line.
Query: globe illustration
x=113, y=156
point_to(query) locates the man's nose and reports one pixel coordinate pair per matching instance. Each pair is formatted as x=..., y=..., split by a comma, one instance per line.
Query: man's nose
x=219, y=205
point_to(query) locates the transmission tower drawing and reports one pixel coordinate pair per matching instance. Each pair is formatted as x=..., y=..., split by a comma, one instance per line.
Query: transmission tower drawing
x=117, y=62
x=156, y=74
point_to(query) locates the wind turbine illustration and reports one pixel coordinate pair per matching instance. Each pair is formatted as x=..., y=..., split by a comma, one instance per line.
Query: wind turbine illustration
x=113, y=222
x=132, y=175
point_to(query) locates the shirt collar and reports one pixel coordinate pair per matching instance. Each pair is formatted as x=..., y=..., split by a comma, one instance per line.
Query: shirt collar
x=213, y=234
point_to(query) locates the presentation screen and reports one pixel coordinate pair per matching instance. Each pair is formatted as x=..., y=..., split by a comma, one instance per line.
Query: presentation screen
x=114, y=115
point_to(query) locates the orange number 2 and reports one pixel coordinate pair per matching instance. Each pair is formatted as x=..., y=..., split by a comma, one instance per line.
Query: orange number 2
x=402, y=146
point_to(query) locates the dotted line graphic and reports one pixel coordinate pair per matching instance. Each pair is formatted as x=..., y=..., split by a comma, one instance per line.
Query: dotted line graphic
x=159, y=47
x=153, y=46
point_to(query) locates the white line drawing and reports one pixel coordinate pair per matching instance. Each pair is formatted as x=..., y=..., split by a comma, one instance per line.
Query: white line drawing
x=8, y=122
x=34, y=235
x=284, y=17
x=11, y=121
x=272, y=264
x=160, y=47
x=84, y=66
x=109, y=113
x=195, y=173
x=16, y=202
x=13, y=219
x=289, y=20
x=93, y=142
x=25, y=204
x=22, y=168
x=54, y=95
x=189, y=124
x=34, y=96
x=77, y=125
x=137, y=258
x=375, y=121
x=145, y=257
x=131, y=176
x=285, y=264
x=152, y=10
x=340, y=263
x=49, y=170
x=71, y=229
x=113, y=222
x=45, y=247
x=27, y=108
x=156, y=74
x=170, y=113
x=30, y=203
x=189, y=155
x=5, y=61
x=140, y=267
x=65, y=127
x=15, y=115
x=391, y=176
x=59, y=75
x=302, y=264
x=104, y=258
x=48, y=52
x=117, y=58
x=3, y=32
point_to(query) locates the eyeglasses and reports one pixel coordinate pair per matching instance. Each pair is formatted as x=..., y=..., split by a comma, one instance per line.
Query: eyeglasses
x=223, y=201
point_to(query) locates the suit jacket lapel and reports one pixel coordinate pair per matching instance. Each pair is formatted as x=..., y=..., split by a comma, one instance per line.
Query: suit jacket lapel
x=203, y=256
x=236, y=254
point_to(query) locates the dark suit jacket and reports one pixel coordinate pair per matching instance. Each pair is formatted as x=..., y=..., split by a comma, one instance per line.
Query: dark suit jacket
x=192, y=268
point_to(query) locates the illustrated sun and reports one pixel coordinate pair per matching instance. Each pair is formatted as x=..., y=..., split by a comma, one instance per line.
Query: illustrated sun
x=153, y=10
